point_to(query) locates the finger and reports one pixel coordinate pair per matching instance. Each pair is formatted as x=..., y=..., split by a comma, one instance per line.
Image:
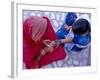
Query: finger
x=46, y=42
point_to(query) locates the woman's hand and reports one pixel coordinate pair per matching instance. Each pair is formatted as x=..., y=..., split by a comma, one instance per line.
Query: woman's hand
x=48, y=49
x=49, y=45
x=47, y=42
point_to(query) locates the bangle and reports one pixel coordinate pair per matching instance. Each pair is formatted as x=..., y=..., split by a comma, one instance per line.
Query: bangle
x=42, y=52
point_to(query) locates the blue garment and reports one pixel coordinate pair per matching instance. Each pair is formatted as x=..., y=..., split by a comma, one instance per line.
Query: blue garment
x=69, y=20
x=61, y=33
x=82, y=40
x=79, y=43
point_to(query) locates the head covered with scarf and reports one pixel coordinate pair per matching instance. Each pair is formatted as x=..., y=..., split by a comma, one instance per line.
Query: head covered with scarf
x=36, y=27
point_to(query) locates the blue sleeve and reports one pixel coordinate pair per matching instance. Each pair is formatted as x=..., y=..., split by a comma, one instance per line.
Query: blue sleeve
x=61, y=33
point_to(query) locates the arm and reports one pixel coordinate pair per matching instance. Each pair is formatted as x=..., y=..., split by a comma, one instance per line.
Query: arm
x=61, y=41
x=43, y=52
x=67, y=40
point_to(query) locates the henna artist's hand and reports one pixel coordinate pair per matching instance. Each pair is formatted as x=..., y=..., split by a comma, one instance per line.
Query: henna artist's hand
x=53, y=43
x=48, y=49
x=50, y=44
x=47, y=42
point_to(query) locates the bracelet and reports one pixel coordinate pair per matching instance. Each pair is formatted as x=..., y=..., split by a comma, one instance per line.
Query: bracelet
x=42, y=52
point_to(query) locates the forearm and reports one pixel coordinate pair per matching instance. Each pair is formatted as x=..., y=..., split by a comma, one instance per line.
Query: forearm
x=42, y=53
x=67, y=40
x=62, y=41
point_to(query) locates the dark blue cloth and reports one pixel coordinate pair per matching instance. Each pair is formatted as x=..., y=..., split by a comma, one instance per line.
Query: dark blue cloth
x=80, y=40
x=61, y=33
x=70, y=18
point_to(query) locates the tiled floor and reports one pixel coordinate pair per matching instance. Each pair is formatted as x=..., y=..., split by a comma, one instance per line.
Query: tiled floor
x=82, y=58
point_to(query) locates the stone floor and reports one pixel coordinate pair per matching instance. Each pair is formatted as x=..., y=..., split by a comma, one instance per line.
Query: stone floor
x=73, y=59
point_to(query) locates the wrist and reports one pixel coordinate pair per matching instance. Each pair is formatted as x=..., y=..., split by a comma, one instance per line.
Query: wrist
x=43, y=52
x=58, y=42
